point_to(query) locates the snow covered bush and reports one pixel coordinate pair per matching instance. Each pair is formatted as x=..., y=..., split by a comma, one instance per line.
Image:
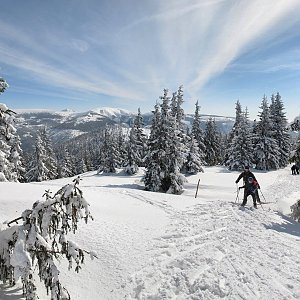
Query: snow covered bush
x=295, y=208
x=35, y=245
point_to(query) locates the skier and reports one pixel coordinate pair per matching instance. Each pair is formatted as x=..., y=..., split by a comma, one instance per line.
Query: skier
x=293, y=169
x=250, y=189
x=245, y=175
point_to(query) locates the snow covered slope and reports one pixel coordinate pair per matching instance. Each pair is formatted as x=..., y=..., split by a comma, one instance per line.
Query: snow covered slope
x=159, y=246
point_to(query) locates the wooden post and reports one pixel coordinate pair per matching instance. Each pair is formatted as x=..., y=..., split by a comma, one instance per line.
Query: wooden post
x=197, y=188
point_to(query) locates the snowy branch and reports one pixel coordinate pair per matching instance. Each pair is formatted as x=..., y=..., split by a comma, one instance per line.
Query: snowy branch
x=41, y=239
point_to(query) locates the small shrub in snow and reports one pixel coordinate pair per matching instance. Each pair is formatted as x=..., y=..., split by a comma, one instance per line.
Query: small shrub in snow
x=295, y=208
x=36, y=244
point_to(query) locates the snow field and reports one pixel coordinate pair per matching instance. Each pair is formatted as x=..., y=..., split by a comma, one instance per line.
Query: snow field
x=159, y=246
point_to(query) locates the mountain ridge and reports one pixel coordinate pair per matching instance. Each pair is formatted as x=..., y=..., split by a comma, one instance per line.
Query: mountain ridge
x=67, y=124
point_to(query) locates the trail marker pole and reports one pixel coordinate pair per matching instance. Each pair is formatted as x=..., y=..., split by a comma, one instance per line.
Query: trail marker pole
x=197, y=188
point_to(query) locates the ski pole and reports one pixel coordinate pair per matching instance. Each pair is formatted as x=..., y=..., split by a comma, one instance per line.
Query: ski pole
x=260, y=204
x=263, y=196
x=237, y=194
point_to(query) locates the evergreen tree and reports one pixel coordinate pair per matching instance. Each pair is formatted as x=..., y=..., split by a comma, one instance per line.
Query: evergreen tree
x=177, y=113
x=5, y=165
x=152, y=178
x=193, y=164
x=11, y=165
x=65, y=166
x=238, y=116
x=140, y=139
x=16, y=159
x=165, y=151
x=212, y=143
x=165, y=129
x=110, y=154
x=198, y=133
x=176, y=159
x=240, y=151
x=51, y=161
x=120, y=147
x=176, y=108
x=133, y=158
x=279, y=129
x=37, y=170
x=295, y=156
x=266, y=149
x=3, y=85
x=234, y=131
x=81, y=166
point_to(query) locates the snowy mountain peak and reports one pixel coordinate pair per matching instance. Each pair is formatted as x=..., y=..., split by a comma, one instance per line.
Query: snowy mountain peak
x=111, y=112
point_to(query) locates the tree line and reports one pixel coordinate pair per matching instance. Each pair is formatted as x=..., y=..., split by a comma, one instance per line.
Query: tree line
x=168, y=150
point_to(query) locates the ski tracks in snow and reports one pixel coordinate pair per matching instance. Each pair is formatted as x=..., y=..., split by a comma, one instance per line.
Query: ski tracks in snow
x=216, y=250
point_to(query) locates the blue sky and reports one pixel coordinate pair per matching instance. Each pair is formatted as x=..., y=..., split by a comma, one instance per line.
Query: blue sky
x=122, y=53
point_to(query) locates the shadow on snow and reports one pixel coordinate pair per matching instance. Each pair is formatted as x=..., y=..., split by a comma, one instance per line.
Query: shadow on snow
x=10, y=293
x=290, y=226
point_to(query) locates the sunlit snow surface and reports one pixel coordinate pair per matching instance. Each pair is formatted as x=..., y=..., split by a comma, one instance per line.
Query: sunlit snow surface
x=158, y=246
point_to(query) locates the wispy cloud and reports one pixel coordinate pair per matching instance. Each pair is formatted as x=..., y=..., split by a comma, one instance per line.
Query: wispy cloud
x=37, y=65
x=131, y=53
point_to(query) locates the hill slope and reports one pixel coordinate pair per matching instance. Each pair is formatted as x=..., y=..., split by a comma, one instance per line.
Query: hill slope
x=158, y=246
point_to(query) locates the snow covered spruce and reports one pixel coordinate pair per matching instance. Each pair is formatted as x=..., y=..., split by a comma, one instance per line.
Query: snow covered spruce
x=41, y=239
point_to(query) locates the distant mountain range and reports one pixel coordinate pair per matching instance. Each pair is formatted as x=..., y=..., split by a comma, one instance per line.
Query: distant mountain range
x=65, y=125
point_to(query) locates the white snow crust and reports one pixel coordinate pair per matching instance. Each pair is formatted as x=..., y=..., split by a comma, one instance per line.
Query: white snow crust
x=160, y=246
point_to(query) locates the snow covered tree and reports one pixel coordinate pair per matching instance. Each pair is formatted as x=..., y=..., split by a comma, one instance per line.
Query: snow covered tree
x=212, y=142
x=240, y=151
x=266, y=149
x=3, y=85
x=50, y=161
x=176, y=160
x=140, y=139
x=65, y=166
x=295, y=156
x=37, y=170
x=165, y=158
x=233, y=132
x=279, y=129
x=198, y=133
x=170, y=149
x=133, y=158
x=165, y=128
x=176, y=108
x=11, y=164
x=193, y=163
x=81, y=166
x=16, y=158
x=35, y=246
x=5, y=166
x=118, y=139
x=295, y=126
x=110, y=159
x=177, y=112
x=152, y=178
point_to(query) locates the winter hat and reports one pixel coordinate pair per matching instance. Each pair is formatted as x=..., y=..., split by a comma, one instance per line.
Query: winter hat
x=246, y=168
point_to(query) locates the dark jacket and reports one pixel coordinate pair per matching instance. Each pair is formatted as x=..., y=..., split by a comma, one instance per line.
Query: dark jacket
x=245, y=175
x=251, y=188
